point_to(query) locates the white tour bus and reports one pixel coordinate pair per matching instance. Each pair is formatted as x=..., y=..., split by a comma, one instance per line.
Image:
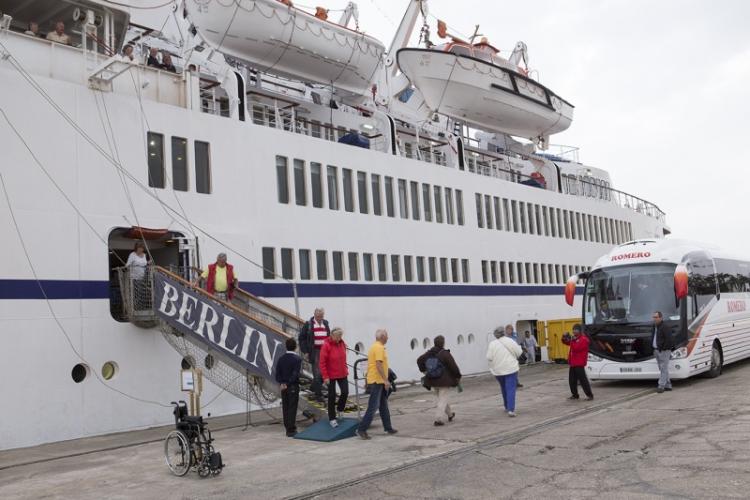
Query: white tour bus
x=702, y=292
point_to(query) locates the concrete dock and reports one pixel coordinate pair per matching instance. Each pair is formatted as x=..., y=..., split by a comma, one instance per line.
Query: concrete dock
x=630, y=442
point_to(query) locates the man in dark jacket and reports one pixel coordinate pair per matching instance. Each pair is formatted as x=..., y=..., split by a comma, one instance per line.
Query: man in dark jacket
x=662, y=343
x=312, y=336
x=287, y=375
x=442, y=374
x=578, y=356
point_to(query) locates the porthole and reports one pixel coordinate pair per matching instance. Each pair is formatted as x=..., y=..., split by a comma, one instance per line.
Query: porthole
x=109, y=370
x=187, y=363
x=414, y=344
x=460, y=340
x=426, y=343
x=209, y=361
x=79, y=373
x=471, y=338
x=359, y=347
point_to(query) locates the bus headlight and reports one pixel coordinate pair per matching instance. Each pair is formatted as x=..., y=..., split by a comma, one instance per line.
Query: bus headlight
x=594, y=358
x=679, y=353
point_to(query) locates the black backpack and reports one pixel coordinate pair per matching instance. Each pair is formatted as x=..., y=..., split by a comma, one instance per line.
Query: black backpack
x=435, y=368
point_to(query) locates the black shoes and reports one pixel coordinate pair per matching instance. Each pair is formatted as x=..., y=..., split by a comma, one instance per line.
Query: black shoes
x=589, y=398
x=363, y=435
x=438, y=423
x=291, y=434
x=660, y=390
x=574, y=397
x=667, y=388
x=453, y=415
x=391, y=431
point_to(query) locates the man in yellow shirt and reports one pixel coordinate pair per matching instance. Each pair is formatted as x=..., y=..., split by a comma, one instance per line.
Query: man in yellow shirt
x=377, y=379
x=221, y=278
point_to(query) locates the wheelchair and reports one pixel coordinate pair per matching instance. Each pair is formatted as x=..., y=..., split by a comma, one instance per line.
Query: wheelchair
x=189, y=446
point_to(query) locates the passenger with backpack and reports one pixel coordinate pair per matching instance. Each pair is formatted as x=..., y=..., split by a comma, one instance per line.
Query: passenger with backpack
x=442, y=374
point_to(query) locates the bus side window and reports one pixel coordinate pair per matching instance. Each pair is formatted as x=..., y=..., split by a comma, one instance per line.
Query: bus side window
x=690, y=308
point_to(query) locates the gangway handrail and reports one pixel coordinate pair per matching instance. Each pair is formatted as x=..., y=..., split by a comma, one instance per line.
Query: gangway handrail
x=224, y=303
x=270, y=305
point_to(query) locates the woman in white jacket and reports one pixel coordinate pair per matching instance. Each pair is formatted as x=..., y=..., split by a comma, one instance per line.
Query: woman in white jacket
x=502, y=357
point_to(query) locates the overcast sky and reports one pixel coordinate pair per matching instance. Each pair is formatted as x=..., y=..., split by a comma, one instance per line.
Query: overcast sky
x=661, y=89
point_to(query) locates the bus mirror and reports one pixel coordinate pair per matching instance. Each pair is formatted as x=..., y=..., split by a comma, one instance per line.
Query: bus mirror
x=570, y=289
x=680, y=282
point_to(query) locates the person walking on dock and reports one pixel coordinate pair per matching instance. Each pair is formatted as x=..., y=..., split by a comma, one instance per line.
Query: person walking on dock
x=312, y=336
x=578, y=356
x=441, y=374
x=502, y=357
x=221, y=278
x=529, y=345
x=287, y=375
x=662, y=343
x=334, y=371
x=377, y=379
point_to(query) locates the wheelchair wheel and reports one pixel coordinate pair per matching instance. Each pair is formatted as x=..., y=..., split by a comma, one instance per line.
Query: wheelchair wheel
x=177, y=453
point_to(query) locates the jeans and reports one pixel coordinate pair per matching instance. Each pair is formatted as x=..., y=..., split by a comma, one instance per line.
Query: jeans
x=289, y=401
x=317, y=382
x=662, y=360
x=378, y=401
x=344, y=389
x=443, y=408
x=578, y=374
x=508, y=384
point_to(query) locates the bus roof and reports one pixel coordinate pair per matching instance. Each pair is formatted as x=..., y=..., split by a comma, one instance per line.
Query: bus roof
x=666, y=250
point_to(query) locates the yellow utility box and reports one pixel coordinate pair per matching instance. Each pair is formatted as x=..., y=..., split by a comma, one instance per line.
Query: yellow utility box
x=555, y=328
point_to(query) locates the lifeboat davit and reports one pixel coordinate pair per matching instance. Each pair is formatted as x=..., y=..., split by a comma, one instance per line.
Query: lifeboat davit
x=277, y=37
x=473, y=84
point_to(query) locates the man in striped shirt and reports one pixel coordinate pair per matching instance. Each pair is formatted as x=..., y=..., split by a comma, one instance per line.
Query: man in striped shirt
x=311, y=338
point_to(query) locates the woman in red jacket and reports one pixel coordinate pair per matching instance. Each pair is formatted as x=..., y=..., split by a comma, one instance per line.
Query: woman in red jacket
x=334, y=371
x=578, y=355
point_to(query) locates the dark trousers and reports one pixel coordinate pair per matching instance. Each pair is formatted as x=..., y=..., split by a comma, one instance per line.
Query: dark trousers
x=344, y=389
x=289, y=402
x=316, y=386
x=578, y=374
x=378, y=401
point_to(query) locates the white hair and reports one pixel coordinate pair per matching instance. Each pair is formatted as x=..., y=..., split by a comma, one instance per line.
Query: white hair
x=379, y=334
x=319, y=310
x=222, y=254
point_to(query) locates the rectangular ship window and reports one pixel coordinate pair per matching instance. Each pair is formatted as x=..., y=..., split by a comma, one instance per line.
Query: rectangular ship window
x=346, y=175
x=438, y=204
x=403, y=202
x=179, y=164
x=414, y=200
x=465, y=270
x=511, y=272
x=460, y=207
x=377, y=208
x=530, y=212
x=493, y=271
x=333, y=188
x=389, y=197
x=362, y=192
x=522, y=213
x=408, y=272
x=498, y=218
x=449, y=206
x=353, y=266
x=287, y=266
x=444, y=269
x=367, y=266
x=316, y=184
x=484, y=272
x=420, y=269
x=395, y=268
x=488, y=211
x=514, y=215
x=300, y=195
x=269, y=266
x=338, y=265
x=321, y=260
x=382, y=267
x=432, y=265
x=202, y=167
x=454, y=271
x=304, y=265
x=480, y=212
x=427, y=202
x=155, y=159
x=503, y=275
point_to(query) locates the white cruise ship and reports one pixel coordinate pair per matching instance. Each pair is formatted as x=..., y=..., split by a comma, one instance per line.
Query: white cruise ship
x=407, y=188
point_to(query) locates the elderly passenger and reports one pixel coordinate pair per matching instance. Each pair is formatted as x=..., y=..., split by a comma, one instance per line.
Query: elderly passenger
x=312, y=337
x=334, y=371
x=59, y=34
x=221, y=278
x=33, y=29
x=502, y=357
x=377, y=379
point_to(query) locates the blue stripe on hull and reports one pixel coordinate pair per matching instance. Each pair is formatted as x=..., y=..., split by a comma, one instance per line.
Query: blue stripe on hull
x=82, y=289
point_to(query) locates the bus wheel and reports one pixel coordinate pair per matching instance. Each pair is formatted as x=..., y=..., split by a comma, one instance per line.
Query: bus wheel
x=716, y=361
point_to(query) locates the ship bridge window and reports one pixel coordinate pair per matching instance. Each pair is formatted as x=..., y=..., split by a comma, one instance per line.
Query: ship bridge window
x=179, y=164
x=163, y=248
x=155, y=160
x=202, y=167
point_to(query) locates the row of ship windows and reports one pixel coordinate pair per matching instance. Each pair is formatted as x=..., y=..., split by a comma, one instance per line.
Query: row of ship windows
x=157, y=176
x=528, y=272
x=366, y=266
x=437, y=203
x=524, y=217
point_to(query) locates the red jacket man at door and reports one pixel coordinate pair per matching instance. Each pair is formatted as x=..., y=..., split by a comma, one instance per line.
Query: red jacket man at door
x=577, y=358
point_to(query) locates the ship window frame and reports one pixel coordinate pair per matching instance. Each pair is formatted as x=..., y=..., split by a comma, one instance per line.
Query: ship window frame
x=443, y=269
x=420, y=269
x=465, y=271
x=353, y=265
x=414, y=192
x=432, y=269
x=337, y=261
x=449, y=219
x=485, y=269
x=390, y=207
x=427, y=202
x=321, y=264
x=157, y=165
x=305, y=269
x=300, y=182
x=493, y=271
x=332, y=183
x=382, y=263
x=408, y=268
x=488, y=212
x=287, y=263
x=180, y=171
x=316, y=186
x=377, y=204
x=396, y=268
x=403, y=199
x=438, y=197
x=455, y=269
x=347, y=179
x=459, y=206
x=480, y=210
x=202, y=156
x=269, y=262
x=364, y=206
x=367, y=273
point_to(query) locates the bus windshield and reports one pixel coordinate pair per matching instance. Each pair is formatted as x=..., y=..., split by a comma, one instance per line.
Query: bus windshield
x=630, y=294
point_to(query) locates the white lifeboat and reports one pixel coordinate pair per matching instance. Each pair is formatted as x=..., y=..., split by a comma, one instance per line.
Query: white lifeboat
x=473, y=84
x=277, y=37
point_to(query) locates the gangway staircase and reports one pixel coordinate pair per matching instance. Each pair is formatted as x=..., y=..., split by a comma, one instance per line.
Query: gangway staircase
x=236, y=343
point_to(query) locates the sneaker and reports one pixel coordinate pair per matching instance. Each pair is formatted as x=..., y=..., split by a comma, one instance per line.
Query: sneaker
x=511, y=414
x=363, y=434
x=660, y=390
x=589, y=398
x=334, y=423
x=574, y=397
x=291, y=434
x=452, y=416
x=438, y=423
x=391, y=431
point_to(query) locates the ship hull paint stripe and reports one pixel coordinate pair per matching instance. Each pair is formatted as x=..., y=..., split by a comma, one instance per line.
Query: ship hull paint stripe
x=13, y=289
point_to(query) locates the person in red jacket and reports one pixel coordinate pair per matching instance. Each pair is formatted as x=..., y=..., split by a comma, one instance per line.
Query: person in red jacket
x=334, y=371
x=578, y=355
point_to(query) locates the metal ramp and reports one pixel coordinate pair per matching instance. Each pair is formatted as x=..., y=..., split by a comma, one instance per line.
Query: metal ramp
x=236, y=344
